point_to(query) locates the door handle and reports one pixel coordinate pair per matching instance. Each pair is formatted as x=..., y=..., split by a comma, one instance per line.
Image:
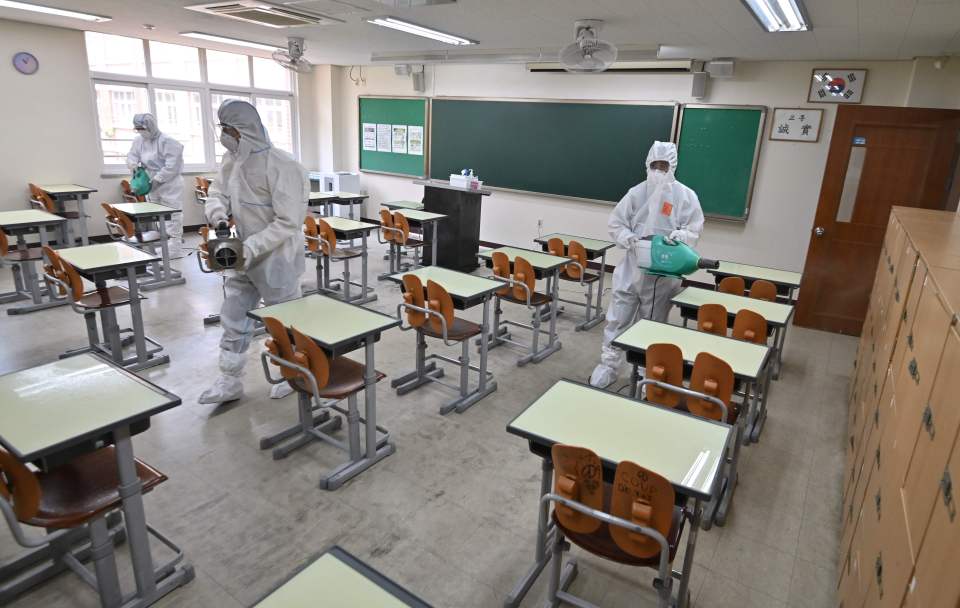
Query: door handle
x=819, y=231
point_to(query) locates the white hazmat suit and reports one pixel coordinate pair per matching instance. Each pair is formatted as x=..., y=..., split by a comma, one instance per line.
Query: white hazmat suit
x=265, y=191
x=659, y=205
x=162, y=157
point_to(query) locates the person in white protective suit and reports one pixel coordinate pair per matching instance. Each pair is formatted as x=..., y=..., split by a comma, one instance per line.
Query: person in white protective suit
x=660, y=205
x=265, y=191
x=162, y=157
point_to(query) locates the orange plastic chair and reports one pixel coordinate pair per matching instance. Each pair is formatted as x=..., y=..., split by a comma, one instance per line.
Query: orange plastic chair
x=555, y=247
x=763, y=290
x=750, y=326
x=732, y=285
x=712, y=319
x=413, y=294
x=523, y=273
x=501, y=268
x=386, y=221
x=664, y=363
x=712, y=376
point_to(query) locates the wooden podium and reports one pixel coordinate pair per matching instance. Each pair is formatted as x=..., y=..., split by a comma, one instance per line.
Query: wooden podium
x=459, y=234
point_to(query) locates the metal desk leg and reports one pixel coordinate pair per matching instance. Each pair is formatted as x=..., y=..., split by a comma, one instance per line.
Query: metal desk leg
x=779, y=340
x=433, y=246
x=598, y=309
x=83, y=222
x=634, y=380
x=762, y=392
x=544, y=530
x=364, y=298
x=144, y=360
x=484, y=387
x=683, y=591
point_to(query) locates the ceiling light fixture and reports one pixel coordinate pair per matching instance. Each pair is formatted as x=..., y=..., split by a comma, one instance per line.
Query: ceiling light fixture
x=419, y=30
x=49, y=10
x=234, y=41
x=780, y=15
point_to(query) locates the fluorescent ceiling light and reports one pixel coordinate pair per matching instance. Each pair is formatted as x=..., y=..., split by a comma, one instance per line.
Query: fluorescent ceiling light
x=780, y=15
x=49, y=10
x=234, y=41
x=419, y=30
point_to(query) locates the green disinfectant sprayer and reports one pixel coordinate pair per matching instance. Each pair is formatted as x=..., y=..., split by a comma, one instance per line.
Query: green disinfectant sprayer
x=660, y=256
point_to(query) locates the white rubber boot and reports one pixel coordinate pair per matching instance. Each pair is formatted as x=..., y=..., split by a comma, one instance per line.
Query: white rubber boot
x=603, y=376
x=279, y=391
x=229, y=385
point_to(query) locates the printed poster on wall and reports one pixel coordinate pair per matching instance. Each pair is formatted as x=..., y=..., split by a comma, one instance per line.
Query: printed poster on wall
x=370, y=136
x=415, y=140
x=383, y=138
x=399, y=139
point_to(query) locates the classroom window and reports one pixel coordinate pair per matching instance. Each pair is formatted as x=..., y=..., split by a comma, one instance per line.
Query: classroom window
x=215, y=100
x=115, y=54
x=228, y=68
x=183, y=86
x=179, y=116
x=116, y=106
x=267, y=74
x=174, y=61
x=276, y=116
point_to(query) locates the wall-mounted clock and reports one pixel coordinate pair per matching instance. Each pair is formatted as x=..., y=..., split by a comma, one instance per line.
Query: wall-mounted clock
x=26, y=63
x=837, y=86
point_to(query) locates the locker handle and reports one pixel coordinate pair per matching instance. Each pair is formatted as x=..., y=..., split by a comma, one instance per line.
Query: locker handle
x=876, y=499
x=914, y=372
x=928, y=420
x=946, y=489
x=904, y=315
x=876, y=416
x=878, y=458
x=909, y=336
x=896, y=295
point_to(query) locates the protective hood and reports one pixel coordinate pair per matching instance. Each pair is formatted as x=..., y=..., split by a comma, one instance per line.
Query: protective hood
x=148, y=122
x=243, y=117
x=663, y=150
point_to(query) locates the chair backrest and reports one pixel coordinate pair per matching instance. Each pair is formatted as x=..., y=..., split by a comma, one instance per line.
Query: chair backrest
x=64, y=272
x=750, y=326
x=501, y=268
x=763, y=290
x=306, y=354
x=328, y=238
x=579, y=254
x=732, y=285
x=128, y=192
x=440, y=301
x=386, y=221
x=664, y=362
x=400, y=223
x=523, y=273
x=54, y=268
x=42, y=198
x=19, y=487
x=712, y=376
x=117, y=220
x=578, y=476
x=413, y=295
x=712, y=318
x=4, y=243
x=310, y=232
x=555, y=247
x=202, y=185
x=203, y=249
x=645, y=498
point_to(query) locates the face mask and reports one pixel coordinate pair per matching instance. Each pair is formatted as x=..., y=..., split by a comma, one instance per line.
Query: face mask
x=655, y=177
x=229, y=142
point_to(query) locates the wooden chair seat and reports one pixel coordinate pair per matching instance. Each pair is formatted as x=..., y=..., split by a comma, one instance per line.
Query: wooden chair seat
x=105, y=298
x=601, y=543
x=588, y=277
x=70, y=215
x=346, y=253
x=536, y=299
x=346, y=378
x=459, y=330
x=30, y=254
x=84, y=488
x=413, y=243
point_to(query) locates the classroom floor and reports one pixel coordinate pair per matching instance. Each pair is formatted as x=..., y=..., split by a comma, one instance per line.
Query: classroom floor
x=452, y=514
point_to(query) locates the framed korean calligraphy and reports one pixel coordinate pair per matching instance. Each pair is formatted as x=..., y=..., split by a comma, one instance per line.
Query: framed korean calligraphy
x=796, y=124
x=837, y=85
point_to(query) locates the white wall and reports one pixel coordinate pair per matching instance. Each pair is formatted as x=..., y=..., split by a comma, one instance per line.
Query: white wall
x=788, y=175
x=49, y=126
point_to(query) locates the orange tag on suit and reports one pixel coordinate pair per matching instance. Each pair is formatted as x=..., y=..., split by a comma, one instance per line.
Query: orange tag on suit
x=667, y=208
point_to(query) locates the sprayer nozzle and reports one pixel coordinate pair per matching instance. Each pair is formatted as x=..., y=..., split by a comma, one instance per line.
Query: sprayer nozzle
x=704, y=263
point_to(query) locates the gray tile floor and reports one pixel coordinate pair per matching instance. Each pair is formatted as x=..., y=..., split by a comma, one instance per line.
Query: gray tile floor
x=452, y=514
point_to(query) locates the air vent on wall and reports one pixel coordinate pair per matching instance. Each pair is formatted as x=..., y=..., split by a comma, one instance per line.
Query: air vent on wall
x=264, y=13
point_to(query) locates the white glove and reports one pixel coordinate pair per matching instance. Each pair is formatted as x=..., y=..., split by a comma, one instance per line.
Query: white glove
x=681, y=235
x=247, y=258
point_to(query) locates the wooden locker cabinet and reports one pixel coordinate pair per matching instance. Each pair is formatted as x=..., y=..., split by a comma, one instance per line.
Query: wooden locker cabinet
x=914, y=380
x=936, y=578
x=939, y=423
x=900, y=544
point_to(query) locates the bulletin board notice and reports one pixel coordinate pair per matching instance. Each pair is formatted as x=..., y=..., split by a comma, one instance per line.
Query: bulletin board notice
x=392, y=133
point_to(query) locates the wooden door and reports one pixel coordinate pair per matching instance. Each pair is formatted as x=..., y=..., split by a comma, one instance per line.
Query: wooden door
x=879, y=157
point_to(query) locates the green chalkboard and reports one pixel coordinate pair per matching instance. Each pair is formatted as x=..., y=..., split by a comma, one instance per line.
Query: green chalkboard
x=718, y=148
x=406, y=111
x=588, y=150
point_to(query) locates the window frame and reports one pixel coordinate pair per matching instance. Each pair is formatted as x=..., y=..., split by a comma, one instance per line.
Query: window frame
x=205, y=88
